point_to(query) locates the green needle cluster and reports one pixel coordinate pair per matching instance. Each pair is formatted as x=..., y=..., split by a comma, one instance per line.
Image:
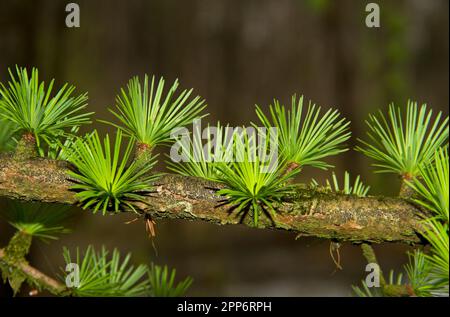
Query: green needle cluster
x=105, y=180
x=402, y=146
x=252, y=185
x=101, y=273
x=148, y=116
x=306, y=139
x=30, y=105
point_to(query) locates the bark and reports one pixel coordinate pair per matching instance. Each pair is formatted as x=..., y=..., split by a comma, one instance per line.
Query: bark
x=308, y=212
x=31, y=274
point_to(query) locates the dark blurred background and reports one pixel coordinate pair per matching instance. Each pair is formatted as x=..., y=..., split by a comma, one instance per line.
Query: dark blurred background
x=236, y=54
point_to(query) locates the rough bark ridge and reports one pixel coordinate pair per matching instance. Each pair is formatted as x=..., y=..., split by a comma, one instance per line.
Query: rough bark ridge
x=308, y=212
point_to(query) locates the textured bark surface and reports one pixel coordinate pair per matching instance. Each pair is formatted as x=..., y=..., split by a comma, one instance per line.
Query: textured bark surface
x=308, y=212
x=32, y=275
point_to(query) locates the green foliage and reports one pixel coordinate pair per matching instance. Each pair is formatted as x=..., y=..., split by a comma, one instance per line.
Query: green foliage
x=404, y=149
x=306, y=141
x=7, y=132
x=426, y=276
x=428, y=273
x=433, y=186
x=104, y=180
x=418, y=270
x=437, y=235
x=149, y=117
x=433, y=190
x=41, y=220
x=28, y=104
x=59, y=149
x=358, y=188
x=201, y=160
x=365, y=291
x=163, y=282
x=254, y=183
x=104, y=275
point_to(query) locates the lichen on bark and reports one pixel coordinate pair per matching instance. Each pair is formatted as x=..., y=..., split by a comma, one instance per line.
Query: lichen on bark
x=15, y=252
x=309, y=211
x=26, y=147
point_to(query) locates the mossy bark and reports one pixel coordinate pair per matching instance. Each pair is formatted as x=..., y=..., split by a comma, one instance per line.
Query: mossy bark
x=308, y=212
x=18, y=247
x=19, y=271
x=26, y=147
x=15, y=268
x=406, y=191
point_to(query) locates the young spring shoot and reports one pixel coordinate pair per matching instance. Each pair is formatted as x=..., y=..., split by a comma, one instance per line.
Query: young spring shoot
x=148, y=116
x=44, y=221
x=30, y=105
x=357, y=188
x=162, y=282
x=7, y=131
x=366, y=291
x=253, y=182
x=403, y=146
x=436, y=233
x=201, y=160
x=306, y=140
x=104, y=180
x=103, y=275
x=432, y=186
x=60, y=149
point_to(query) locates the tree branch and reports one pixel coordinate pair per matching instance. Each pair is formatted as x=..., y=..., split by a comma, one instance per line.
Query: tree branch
x=33, y=275
x=389, y=290
x=309, y=212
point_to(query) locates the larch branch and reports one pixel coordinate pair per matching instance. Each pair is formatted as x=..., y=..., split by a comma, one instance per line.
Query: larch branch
x=309, y=212
x=34, y=275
